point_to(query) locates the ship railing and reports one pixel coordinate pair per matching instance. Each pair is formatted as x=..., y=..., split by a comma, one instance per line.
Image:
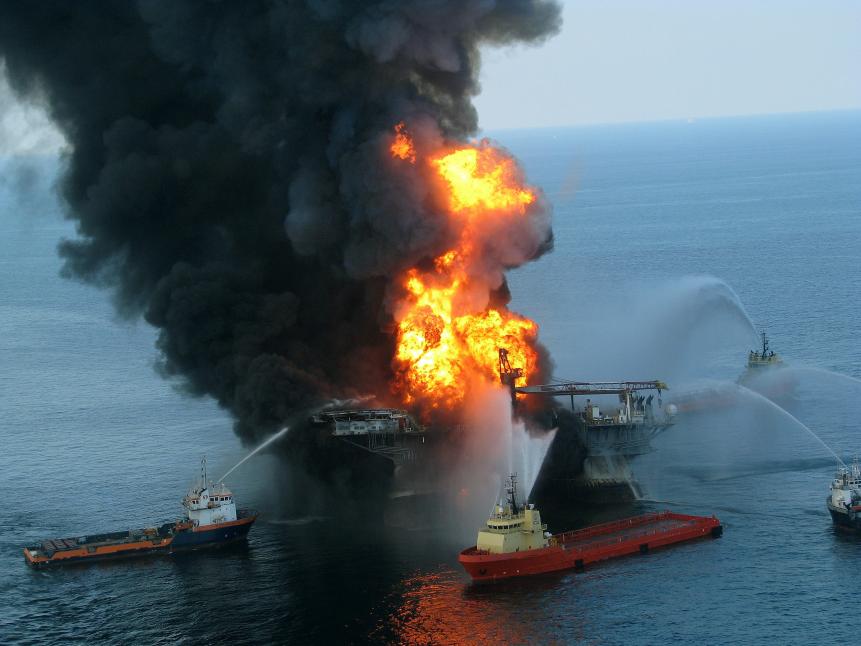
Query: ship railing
x=614, y=525
x=663, y=533
x=686, y=522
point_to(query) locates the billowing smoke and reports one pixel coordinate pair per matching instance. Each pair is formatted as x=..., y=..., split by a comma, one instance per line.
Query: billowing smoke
x=229, y=175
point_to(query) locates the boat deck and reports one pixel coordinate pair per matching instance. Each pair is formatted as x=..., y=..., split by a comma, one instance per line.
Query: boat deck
x=629, y=530
x=581, y=547
x=110, y=538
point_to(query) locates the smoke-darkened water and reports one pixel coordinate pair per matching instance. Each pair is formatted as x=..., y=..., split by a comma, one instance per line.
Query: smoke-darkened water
x=667, y=237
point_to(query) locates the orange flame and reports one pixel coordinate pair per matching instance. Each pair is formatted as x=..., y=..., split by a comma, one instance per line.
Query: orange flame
x=443, y=344
x=480, y=178
x=402, y=147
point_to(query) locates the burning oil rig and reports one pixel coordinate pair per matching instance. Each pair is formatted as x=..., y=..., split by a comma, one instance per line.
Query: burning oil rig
x=589, y=459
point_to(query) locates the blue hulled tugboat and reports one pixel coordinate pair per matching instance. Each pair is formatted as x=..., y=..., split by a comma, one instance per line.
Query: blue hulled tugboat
x=211, y=519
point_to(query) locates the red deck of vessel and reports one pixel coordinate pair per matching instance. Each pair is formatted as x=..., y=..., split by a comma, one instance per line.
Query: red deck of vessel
x=596, y=543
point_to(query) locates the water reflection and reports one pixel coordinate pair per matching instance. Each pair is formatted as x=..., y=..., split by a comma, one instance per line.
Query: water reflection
x=442, y=608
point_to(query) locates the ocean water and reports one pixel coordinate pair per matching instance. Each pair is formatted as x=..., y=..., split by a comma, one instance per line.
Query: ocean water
x=669, y=238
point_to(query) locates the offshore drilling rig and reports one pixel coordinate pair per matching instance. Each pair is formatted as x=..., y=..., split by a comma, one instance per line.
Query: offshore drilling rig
x=589, y=459
x=384, y=451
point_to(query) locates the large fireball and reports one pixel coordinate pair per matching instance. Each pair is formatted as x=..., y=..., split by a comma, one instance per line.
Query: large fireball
x=445, y=339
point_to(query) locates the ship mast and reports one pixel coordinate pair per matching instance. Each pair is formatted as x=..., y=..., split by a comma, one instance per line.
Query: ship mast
x=512, y=493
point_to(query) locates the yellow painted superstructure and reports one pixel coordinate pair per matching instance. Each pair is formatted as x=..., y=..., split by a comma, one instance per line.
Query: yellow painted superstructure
x=764, y=359
x=512, y=530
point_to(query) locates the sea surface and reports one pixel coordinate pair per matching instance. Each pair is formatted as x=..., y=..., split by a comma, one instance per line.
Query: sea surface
x=674, y=244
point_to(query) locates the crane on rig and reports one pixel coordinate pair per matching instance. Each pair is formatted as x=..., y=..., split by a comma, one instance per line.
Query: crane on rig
x=509, y=376
x=625, y=431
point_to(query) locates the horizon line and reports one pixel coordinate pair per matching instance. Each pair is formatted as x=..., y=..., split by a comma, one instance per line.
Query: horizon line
x=691, y=119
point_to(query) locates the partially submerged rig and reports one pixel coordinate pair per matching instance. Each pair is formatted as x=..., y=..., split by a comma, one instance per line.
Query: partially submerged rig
x=375, y=451
x=389, y=433
x=385, y=451
x=607, y=440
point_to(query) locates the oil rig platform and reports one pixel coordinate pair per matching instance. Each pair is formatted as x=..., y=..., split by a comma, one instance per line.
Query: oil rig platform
x=606, y=439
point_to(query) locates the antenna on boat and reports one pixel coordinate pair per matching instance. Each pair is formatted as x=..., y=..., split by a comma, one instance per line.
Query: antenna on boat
x=203, y=471
x=512, y=493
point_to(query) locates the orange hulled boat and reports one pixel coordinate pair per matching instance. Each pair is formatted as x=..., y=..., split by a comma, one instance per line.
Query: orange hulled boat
x=515, y=543
x=211, y=519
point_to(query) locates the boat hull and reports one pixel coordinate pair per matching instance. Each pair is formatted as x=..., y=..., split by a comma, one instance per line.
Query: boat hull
x=181, y=538
x=213, y=535
x=575, y=550
x=83, y=555
x=843, y=519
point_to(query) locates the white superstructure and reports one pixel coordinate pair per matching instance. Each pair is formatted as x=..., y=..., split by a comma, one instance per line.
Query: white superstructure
x=207, y=503
x=365, y=422
x=846, y=488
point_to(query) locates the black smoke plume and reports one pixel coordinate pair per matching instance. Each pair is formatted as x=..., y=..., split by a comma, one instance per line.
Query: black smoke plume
x=226, y=171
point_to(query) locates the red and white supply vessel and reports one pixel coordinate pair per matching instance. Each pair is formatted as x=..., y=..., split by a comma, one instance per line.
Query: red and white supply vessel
x=515, y=543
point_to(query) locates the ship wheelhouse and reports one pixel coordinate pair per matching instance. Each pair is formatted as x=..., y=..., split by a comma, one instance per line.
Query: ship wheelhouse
x=764, y=358
x=209, y=504
x=512, y=527
x=846, y=488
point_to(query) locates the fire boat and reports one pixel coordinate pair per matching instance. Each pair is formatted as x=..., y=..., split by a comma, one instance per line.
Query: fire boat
x=211, y=519
x=844, y=501
x=757, y=360
x=766, y=373
x=514, y=542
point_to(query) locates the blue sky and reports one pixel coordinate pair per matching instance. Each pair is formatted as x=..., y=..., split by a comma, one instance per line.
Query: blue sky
x=628, y=60
x=637, y=60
